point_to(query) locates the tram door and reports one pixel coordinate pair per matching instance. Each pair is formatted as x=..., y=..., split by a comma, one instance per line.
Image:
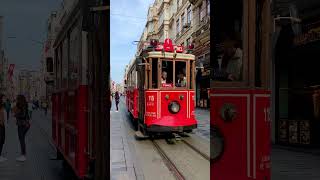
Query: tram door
x=141, y=79
x=240, y=96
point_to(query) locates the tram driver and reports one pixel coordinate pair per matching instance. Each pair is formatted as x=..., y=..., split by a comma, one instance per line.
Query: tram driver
x=164, y=80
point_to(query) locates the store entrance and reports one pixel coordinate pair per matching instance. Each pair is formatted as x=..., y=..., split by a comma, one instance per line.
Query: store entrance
x=297, y=119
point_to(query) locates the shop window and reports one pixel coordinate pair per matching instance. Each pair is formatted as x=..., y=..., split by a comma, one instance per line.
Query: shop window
x=167, y=73
x=180, y=74
x=228, y=62
x=155, y=73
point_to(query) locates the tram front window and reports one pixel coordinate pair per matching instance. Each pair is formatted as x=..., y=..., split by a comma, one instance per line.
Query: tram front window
x=180, y=70
x=167, y=74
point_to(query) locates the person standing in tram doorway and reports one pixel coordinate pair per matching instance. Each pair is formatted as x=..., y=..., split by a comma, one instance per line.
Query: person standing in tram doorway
x=7, y=106
x=117, y=99
x=2, y=129
x=23, y=123
x=230, y=68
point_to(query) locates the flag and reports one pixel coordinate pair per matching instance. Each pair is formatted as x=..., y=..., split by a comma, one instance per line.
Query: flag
x=10, y=71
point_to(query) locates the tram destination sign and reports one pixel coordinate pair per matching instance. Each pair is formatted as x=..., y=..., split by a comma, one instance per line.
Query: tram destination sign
x=307, y=38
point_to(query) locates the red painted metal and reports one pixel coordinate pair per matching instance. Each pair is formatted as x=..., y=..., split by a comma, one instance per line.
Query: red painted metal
x=156, y=107
x=70, y=127
x=247, y=146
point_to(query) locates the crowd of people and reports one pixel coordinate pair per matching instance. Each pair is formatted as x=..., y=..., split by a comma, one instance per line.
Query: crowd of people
x=20, y=111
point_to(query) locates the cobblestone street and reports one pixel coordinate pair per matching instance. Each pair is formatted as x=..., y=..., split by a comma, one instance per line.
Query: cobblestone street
x=203, y=118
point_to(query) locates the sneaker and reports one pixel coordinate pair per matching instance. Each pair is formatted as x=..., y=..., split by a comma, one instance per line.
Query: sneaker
x=2, y=159
x=21, y=158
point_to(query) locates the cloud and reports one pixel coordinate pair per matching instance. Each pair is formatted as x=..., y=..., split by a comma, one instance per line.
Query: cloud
x=127, y=25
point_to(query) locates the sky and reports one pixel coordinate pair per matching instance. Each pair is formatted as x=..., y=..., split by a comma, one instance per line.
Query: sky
x=127, y=21
x=26, y=21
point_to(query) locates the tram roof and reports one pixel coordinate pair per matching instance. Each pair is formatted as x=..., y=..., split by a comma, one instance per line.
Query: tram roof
x=170, y=55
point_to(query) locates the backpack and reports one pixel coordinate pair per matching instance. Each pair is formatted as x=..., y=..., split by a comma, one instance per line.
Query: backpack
x=22, y=117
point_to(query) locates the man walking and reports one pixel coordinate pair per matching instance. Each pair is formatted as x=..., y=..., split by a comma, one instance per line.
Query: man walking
x=117, y=99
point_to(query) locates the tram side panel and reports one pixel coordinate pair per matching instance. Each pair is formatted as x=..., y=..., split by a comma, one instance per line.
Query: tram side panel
x=243, y=120
x=233, y=161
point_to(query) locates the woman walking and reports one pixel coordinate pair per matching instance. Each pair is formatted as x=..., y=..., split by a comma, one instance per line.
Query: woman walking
x=2, y=128
x=23, y=123
x=117, y=99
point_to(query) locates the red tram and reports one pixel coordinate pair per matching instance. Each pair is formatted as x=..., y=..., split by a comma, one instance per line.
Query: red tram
x=160, y=89
x=74, y=114
x=240, y=90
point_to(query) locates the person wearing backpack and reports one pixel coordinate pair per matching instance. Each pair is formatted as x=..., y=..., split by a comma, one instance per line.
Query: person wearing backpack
x=2, y=128
x=23, y=122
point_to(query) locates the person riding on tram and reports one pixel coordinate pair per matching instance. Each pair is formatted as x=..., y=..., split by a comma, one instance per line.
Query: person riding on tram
x=164, y=80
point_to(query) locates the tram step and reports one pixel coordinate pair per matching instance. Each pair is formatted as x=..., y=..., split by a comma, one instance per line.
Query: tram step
x=140, y=136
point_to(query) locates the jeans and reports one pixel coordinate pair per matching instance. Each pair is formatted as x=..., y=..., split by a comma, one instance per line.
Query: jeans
x=22, y=131
x=2, y=137
x=8, y=115
x=117, y=103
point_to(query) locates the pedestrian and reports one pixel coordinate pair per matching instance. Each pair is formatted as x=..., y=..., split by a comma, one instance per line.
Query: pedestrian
x=7, y=106
x=45, y=107
x=117, y=99
x=30, y=108
x=2, y=129
x=23, y=123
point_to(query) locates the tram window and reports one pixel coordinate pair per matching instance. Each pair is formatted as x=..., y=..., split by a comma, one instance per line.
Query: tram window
x=180, y=74
x=228, y=62
x=167, y=74
x=154, y=73
x=192, y=71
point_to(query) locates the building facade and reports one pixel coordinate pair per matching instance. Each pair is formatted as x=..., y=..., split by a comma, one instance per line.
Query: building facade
x=47, y=60
x=185, y=22
x=201, y=40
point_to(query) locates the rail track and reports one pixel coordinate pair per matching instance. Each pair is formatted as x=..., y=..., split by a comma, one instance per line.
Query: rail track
x=170, y=162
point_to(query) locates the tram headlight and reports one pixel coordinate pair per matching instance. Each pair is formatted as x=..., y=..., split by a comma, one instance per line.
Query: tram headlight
x=174, y=107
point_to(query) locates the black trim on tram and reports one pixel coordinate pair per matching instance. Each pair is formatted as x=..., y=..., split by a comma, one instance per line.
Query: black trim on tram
x=161, y=129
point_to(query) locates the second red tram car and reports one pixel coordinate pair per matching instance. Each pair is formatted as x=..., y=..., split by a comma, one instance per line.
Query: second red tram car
x=240, y=90
x=160, y=89
x=75, y=116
